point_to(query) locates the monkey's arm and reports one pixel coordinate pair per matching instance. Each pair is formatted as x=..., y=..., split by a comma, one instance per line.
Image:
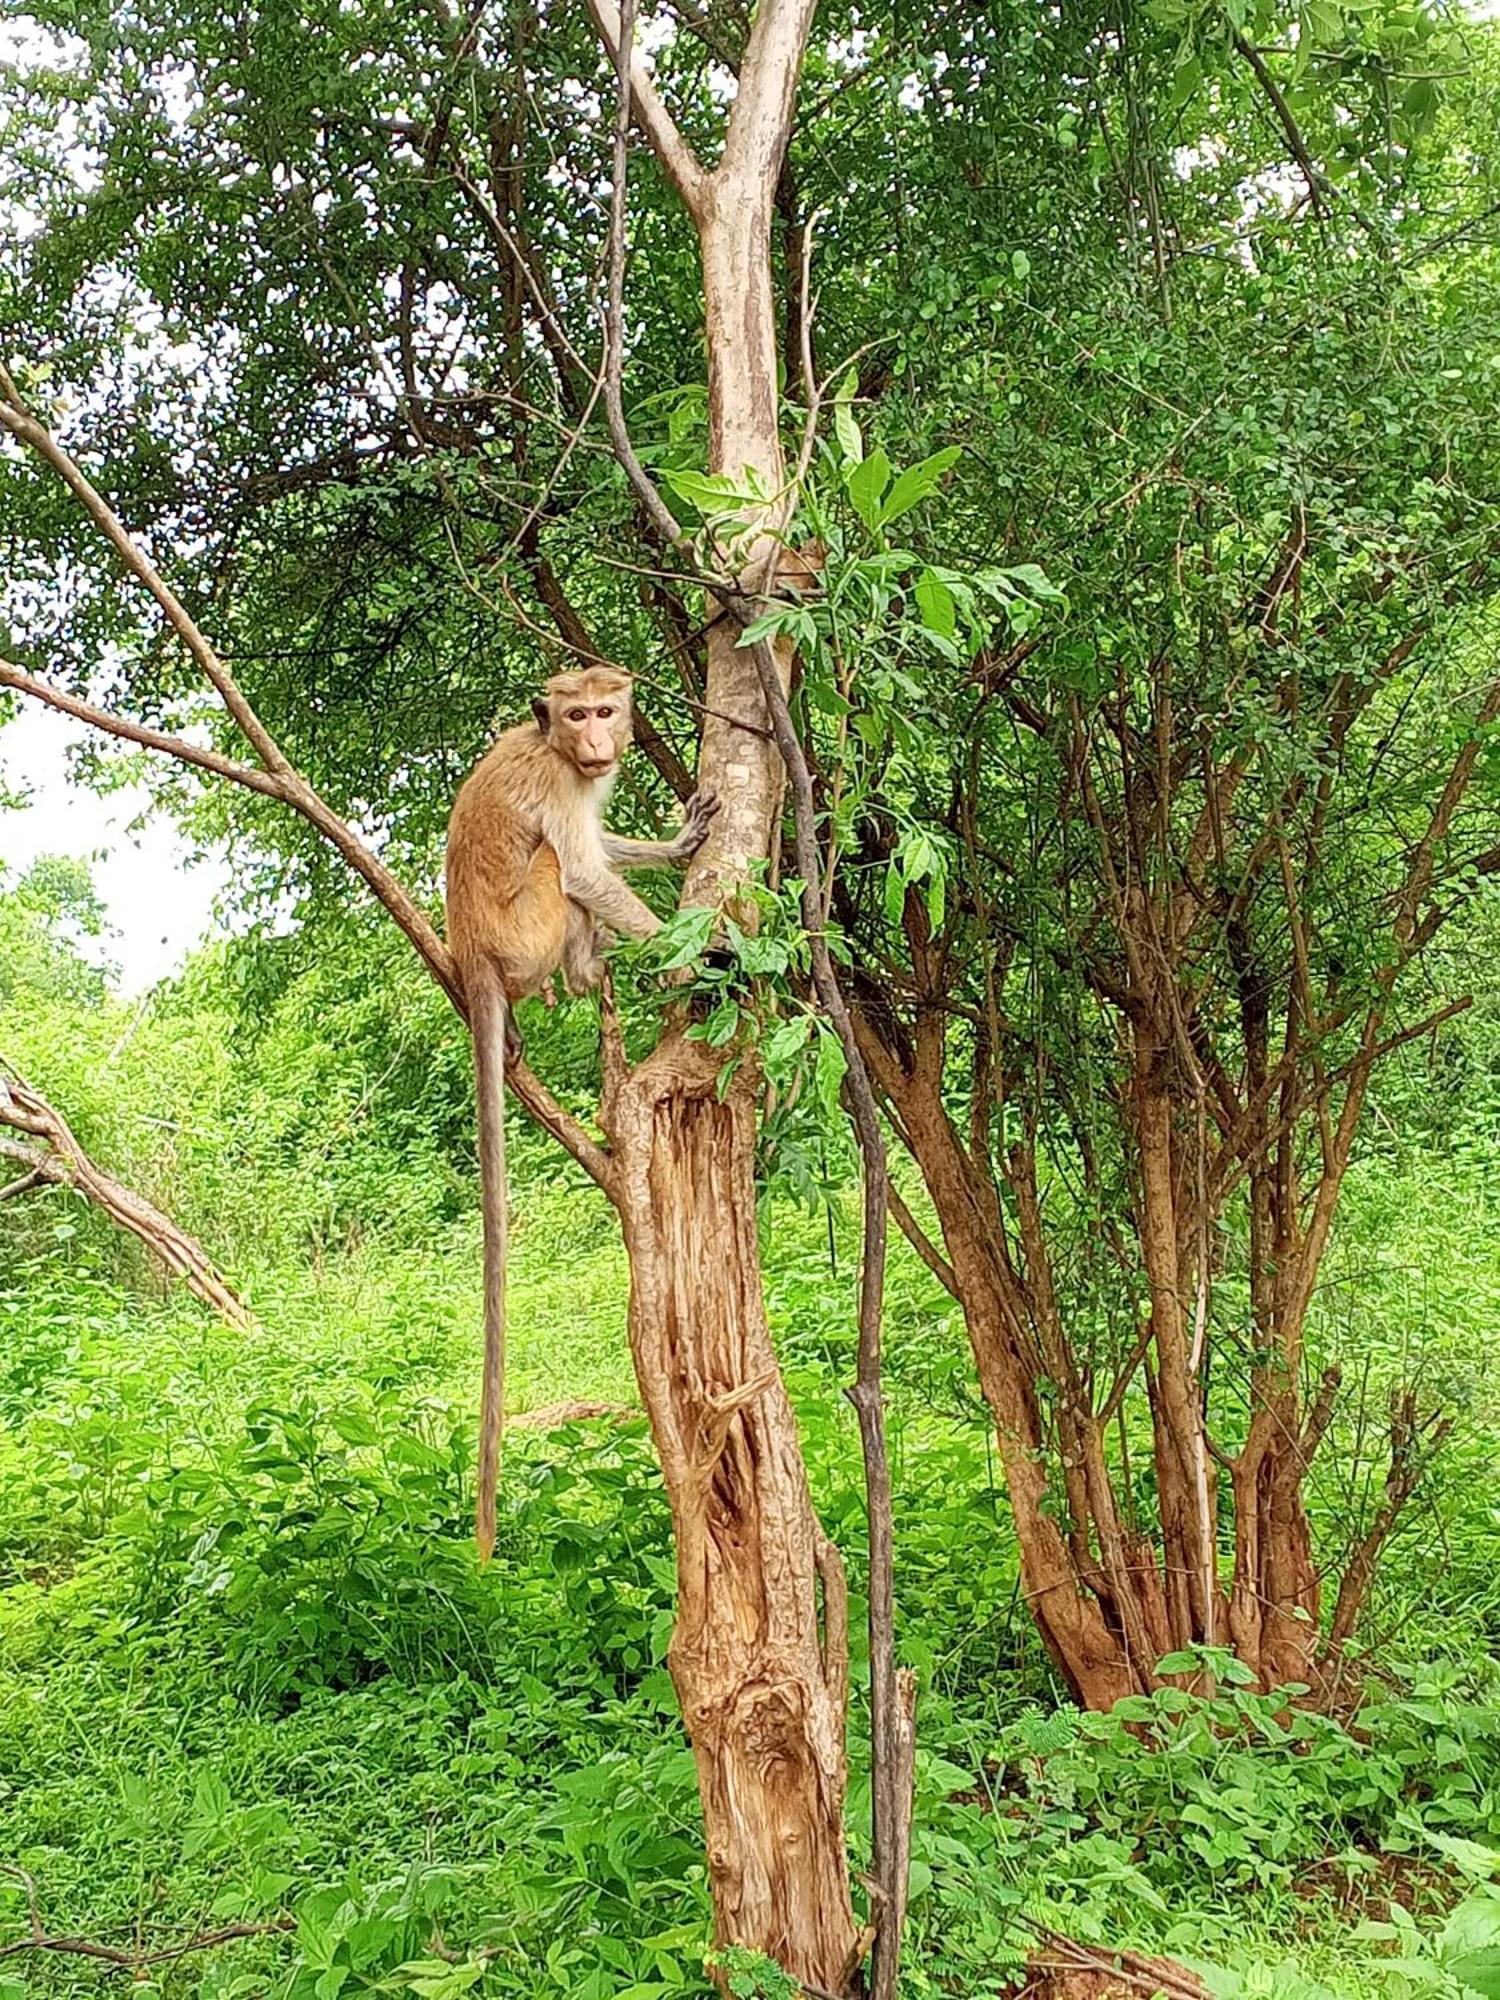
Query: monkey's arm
x=606, y=897
x=699, y=810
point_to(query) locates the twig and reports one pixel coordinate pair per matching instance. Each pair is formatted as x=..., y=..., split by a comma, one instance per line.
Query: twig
x=128, y=1960
x=921, y=1242
x=660, y=515
x=1317, y=187
x=891, y=1751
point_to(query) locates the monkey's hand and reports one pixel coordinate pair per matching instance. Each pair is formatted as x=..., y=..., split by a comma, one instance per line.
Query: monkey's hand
x=696, y=816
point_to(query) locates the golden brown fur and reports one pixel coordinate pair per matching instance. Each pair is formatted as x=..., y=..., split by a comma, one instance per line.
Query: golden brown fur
x=531, y=887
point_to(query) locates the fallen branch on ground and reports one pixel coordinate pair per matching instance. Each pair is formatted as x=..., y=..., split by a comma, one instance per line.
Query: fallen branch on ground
x=49, y=1155
x=130, y=1959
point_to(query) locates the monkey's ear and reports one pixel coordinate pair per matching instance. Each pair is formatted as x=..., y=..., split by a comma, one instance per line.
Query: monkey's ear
x=542, y=712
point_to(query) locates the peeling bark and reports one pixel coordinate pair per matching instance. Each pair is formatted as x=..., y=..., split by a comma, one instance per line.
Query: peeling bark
x=762, y=1679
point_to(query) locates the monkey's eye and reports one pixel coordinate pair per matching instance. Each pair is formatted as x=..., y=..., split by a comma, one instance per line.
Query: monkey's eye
x=578, y=715
x=605, y=714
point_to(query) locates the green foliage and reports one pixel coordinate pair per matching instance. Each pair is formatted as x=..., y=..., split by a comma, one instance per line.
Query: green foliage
x=1122, y=313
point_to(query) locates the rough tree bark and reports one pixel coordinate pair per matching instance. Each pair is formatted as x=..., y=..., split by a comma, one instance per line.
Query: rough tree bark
x=761, y=1675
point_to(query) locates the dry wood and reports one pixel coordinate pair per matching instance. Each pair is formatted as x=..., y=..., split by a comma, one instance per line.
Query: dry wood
x=54, y=1157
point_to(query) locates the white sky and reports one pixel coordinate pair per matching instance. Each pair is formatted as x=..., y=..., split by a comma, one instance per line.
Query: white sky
x=160, y=907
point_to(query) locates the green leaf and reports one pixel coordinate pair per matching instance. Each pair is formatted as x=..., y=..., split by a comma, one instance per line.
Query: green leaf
x=1470, y=1857
x=866, y=485
x=936, y=603
x=1478, y=1970
x=828, y=1071
x=1178, y=1663
x=845, y=429
x=713, y=494
x=354, y=1427
x=681, y=939
x=917, y=482
x=785, y=1043
x=722, y=1024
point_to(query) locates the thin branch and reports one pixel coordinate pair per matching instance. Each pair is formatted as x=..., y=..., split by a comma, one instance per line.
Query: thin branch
x=1318, y=188
x=61, y=1160
x=922, y=1243
x=126, y=1958
x=658, y=513
x=254, y=780
x=26, y=430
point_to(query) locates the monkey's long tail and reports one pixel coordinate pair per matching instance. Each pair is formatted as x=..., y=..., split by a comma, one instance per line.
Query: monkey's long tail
x=487, y=1023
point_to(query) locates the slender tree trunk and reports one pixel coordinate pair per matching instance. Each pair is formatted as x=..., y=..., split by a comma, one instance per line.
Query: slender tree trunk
x=759, y=1655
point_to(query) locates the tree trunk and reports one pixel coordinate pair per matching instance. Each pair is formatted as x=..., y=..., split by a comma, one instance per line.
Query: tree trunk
x=762, y=1689
x=762, y=1678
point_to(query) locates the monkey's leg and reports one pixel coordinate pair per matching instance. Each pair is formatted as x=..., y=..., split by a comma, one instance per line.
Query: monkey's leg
x=583, y=962
x=534, y=928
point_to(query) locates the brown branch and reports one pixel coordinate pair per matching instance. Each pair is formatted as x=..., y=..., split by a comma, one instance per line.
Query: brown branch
x=551, y=1416
x=1317, y=186
x=26, y=430
x=255, y=780
x=645, y=107
x=922, y=1243
x=1152, y=1976
x=278, y=780
x=1408, y=1465
x=61, y=1160
x=658, y=513
x=128, y=1959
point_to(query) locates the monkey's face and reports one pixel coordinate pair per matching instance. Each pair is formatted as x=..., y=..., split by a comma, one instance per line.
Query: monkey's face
x=592, y=731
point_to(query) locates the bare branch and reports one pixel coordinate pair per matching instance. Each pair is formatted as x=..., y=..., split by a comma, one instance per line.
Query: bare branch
x=922, y=1243
x=26, y=430
x=134, y=1960
x=1408, y=1464
x=255, y=780
x=658, y=513
x=61, y=1160
x=890, y=1746
x=648, y=111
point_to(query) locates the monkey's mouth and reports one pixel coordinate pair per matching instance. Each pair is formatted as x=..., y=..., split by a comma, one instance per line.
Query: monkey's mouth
x=597, y=769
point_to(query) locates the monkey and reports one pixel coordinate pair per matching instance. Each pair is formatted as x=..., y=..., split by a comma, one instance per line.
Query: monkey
x=531, y=890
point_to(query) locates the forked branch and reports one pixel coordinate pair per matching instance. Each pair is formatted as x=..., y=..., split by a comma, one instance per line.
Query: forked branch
x=274, y=776
x=52, y=1157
